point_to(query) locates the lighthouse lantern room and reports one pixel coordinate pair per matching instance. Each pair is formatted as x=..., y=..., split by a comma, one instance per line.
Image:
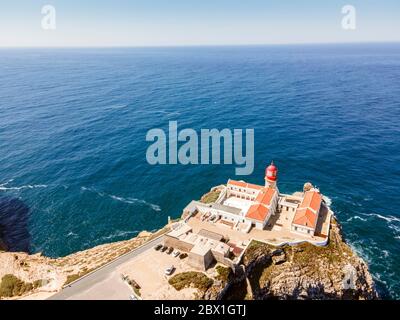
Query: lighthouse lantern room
x=271, y=175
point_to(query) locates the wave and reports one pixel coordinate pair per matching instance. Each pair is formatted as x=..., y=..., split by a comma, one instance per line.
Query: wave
x=72, y=234
x=378, y=259
x=386, y=218
x=327, y=200
x=153, y=206
x=395, y=228
x=6, y=183
x=28, y=186
x=119, y=234
x=356, y=217
x=385, y=253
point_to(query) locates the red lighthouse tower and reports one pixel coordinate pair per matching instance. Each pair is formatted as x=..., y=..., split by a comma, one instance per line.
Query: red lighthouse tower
x=271, y=175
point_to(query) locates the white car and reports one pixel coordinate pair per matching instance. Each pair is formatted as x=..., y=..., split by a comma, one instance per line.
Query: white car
x=169, y=270
x=132, y=297
x=176, y=253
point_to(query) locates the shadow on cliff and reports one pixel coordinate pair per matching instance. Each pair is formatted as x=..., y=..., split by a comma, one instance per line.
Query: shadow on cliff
x=14, y=233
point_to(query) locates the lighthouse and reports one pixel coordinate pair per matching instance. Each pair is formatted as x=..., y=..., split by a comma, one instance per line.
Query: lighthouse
x=271, y=175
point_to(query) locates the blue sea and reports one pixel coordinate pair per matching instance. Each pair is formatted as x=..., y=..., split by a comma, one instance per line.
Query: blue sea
x=73, y=169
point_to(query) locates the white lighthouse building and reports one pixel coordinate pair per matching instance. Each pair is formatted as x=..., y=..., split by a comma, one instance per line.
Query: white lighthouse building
x=253, y=205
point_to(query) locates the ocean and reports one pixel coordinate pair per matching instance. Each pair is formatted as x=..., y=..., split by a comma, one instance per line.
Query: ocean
x=73, y=122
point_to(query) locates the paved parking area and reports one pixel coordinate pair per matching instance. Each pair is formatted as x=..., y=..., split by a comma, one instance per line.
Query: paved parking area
x=111, y=288
x=147, y=269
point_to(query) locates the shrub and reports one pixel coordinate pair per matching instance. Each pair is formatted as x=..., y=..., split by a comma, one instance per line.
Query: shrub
x=71, y=278
x=12, y=286
x=210, y=197
x=188, y=279
x=224, y=273
x=37, y=283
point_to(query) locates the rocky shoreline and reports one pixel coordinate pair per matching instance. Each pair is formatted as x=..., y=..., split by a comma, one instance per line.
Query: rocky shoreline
x=303, y=271
x=51, y=274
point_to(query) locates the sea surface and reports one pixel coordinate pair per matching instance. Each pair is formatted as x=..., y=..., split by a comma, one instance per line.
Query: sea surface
x=73, y=169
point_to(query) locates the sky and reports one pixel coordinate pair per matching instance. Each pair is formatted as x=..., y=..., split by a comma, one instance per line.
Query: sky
x=104, y=23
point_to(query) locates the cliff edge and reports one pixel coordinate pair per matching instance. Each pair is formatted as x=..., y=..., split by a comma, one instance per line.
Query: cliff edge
x=38, y=277
x=303, y=271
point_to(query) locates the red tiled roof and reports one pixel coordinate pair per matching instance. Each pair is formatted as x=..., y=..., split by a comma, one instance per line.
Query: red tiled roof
x=305, y=217
x=237, y=183
x=257, y=212
x=254, y=186
x=265, y=196
x=307, y=213
x=244, y=184
x=312, y=200
x=260, y=209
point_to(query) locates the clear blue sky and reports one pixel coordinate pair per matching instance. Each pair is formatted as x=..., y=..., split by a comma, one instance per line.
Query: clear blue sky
x=195, y=22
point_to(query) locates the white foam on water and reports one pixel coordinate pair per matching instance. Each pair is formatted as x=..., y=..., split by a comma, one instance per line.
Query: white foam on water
x=6, y=183
x=134, y=201
x=101, y=194
x=379, y=216
x=356, y=217
x=28, y=186
x=327, y=200
x=119, y=234
x=373, y=255
x=385, y=253
x=153, y=206
x=395, y=228
x=72, y=234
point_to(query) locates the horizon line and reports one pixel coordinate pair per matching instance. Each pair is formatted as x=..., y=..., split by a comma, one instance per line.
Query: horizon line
x=200, y=45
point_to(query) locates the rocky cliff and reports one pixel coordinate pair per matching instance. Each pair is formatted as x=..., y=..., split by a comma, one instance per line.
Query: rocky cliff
x=29, y=275
x=303, y=272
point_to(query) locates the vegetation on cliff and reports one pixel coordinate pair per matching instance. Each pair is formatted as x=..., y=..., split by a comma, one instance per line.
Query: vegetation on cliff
x=190, y=279
x=306, y=271
x=28, y=271
x=11, y=286
x=302, y=271
x=211, y=196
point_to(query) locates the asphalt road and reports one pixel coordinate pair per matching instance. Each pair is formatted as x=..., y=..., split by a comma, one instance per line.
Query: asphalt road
x=103, y=274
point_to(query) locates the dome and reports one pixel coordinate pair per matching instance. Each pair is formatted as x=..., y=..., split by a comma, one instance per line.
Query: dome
x=272, y=167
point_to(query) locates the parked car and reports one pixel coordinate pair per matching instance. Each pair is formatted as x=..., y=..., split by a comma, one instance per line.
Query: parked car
x=170, y=250
x=183, y=256
x=132, y=297
x=164, y=248
x=158, y=247
x=176, y=253
x=169, y=270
